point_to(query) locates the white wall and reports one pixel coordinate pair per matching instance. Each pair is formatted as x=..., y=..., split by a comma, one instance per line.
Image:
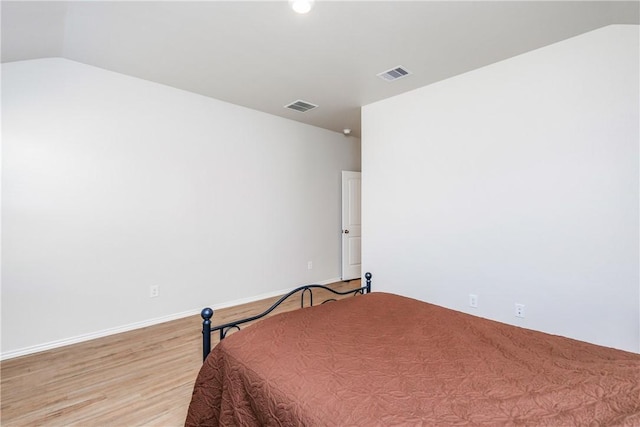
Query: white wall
x=517, y=182
x=112, y=184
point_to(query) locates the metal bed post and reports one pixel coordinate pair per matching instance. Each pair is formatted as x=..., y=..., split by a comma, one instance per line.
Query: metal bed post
x=206, y=314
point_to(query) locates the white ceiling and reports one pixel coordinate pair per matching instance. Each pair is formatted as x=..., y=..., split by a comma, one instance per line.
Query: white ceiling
x=262, y=55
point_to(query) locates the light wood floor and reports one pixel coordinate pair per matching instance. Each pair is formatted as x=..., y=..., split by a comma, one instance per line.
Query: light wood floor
x=138, y=378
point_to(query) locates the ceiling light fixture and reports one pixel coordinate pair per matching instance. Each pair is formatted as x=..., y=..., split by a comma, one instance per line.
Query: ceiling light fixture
x=301, y=6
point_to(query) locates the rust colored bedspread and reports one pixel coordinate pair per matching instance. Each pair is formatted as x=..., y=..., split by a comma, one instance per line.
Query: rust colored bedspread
x=382, y=359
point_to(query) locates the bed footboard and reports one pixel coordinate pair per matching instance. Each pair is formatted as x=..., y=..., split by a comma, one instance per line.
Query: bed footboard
x=207, y=313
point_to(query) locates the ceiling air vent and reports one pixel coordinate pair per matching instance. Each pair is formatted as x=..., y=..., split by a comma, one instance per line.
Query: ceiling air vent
x=394, y=74
x=302, y=106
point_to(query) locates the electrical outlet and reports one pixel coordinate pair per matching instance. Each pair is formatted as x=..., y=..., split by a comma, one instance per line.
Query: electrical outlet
x=519, y=310
x=473, y=300
x=154, y=291
x=310, y=265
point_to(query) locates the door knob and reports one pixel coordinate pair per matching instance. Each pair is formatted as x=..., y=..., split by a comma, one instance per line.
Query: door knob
x=346, y=231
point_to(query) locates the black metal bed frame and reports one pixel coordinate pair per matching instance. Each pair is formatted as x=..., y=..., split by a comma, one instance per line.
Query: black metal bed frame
x=223, y=329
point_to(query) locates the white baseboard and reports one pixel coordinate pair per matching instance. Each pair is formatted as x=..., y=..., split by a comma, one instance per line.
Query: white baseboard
x=93, y=335
x=143, y=324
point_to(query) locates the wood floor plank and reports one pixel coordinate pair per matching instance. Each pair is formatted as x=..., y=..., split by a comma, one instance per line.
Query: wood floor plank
x=138, y=378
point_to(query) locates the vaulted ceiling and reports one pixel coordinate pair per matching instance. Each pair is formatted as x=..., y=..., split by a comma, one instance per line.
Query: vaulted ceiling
x=262, y=55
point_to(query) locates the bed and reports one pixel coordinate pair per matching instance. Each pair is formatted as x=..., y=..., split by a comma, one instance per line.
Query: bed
x=384, y=359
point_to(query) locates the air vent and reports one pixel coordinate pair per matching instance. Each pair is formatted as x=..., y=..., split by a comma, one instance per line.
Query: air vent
x=302, y=106
x=394, y=74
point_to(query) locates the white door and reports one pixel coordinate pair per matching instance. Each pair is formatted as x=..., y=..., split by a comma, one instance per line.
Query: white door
x=351, y=225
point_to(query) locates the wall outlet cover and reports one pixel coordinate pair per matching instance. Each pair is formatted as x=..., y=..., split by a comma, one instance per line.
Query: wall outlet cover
x=473, y=300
